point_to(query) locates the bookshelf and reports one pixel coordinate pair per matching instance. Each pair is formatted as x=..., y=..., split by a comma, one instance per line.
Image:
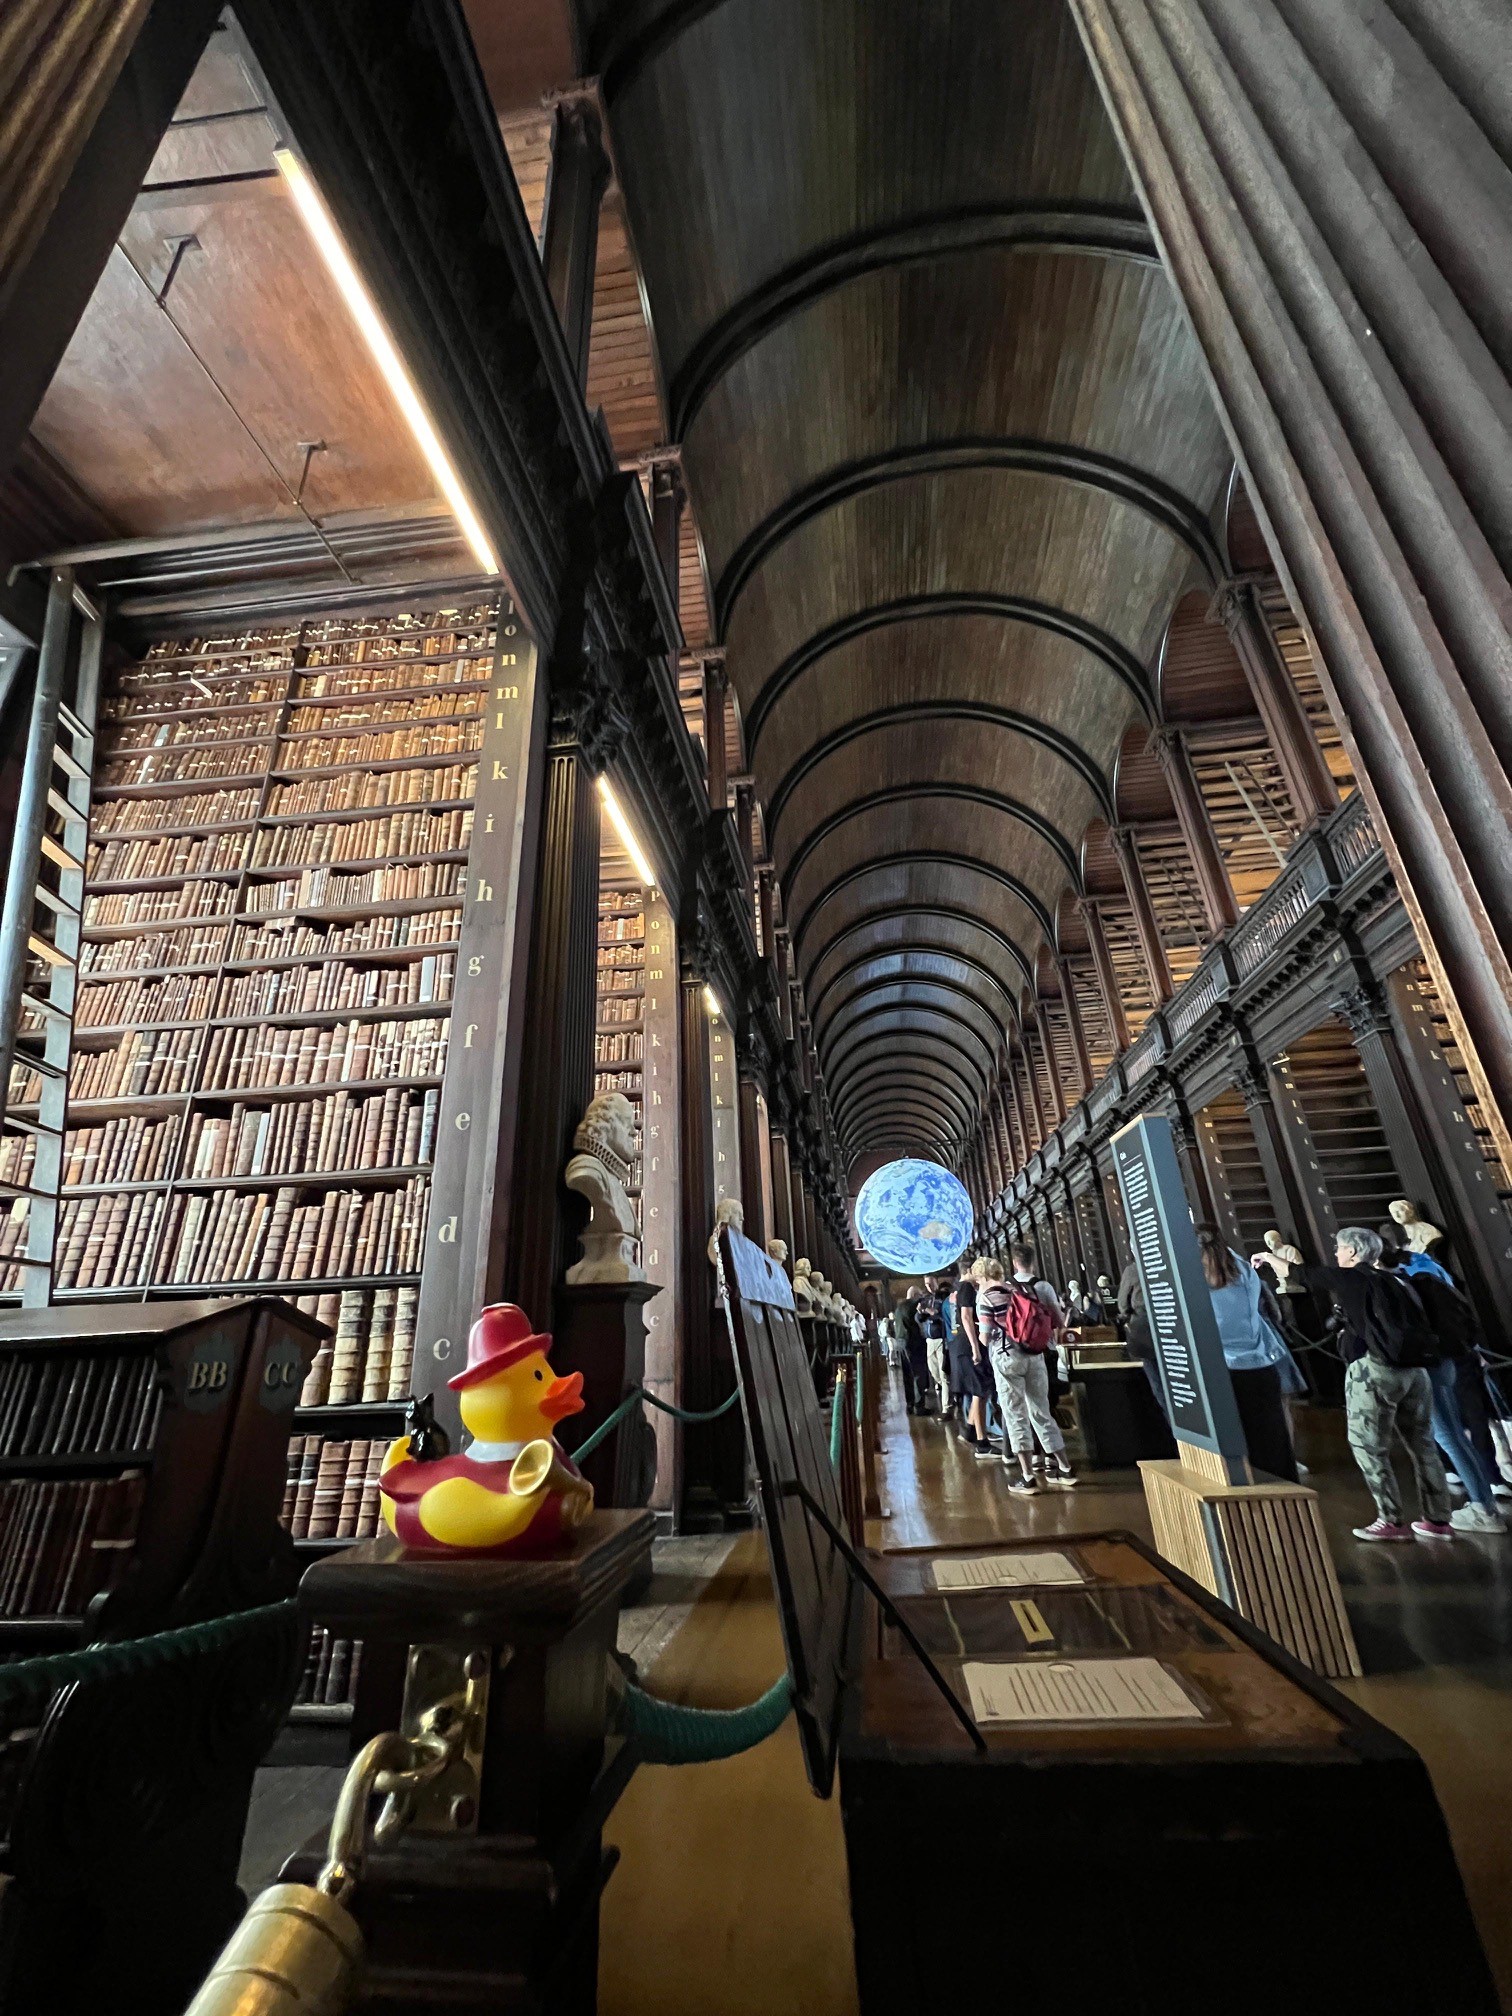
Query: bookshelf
x=619, y=1022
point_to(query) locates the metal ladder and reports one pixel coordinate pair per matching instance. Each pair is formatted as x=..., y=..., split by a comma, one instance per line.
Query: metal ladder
x=41, y=925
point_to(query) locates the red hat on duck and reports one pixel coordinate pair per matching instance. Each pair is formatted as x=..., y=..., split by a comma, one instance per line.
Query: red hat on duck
x=501, y=1337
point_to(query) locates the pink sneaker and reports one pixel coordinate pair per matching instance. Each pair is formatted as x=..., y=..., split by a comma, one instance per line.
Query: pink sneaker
x=1383, y=1529
x=1433, y=1529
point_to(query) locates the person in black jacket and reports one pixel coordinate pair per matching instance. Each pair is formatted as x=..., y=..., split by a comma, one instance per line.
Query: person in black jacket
x=1386, y=1347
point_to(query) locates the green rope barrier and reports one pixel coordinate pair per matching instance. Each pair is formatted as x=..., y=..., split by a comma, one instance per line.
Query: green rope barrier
x=837, y=1419
x=32, y=1680
x=632, y=1401
x=669, y=1733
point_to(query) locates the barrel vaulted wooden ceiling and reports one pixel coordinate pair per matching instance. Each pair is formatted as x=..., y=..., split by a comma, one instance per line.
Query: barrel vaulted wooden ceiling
x=953, y=462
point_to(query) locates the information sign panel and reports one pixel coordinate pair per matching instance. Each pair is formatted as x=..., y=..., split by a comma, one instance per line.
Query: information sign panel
x=1199, y=1393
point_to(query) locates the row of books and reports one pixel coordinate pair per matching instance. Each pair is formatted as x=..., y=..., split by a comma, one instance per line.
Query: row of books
x=361, y=789
x=136, y=1148
x=378, y=839
x=77, y=1404
x=628, y=958
x=152, y=952
x=394, y=1129
x=612, y=930
x=138, y=1067
x=331, y=888
x=618, y=1046
x=171, y=730
x=157, y=906
x=248, y=1059
x=182, y=766
x=331, y=1488
x=359, y=710
x=127, y=1241
x=151, y=815
x=331, y=1667
x=174, y=854
x=407, y=669
x=372, y=1354
x=385, y=932
x=308, y=990
x=440, y=738
x=367, y=640
x=178, y=688
x=64, y=1540
x=620, y=1006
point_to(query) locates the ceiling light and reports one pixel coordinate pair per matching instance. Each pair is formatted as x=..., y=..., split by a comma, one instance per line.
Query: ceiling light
x=321, y=227
x=713, y=1004
x=626, y=833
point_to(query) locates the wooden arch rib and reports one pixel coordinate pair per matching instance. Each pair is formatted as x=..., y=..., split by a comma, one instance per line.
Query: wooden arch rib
x=905, y=713
x=929, y=858
x=1088, y=467
x=1115, y=657
x=927, y=1125
x=923, y=1136
x=969, y=794
x=914, y=982
x=915, y=1105
x=946, y=1057
x=903, y=951
x=916, y=1006
x=937, y=1095
x=981, y=1059
x=1098, y=231
x=910, y=1076
x=917, y=983
x=949, y=911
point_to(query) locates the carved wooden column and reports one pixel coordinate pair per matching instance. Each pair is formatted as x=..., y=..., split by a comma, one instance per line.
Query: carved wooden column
x=715, y=685
x=1196, y=823
x=1033, y=1037
x=1294, y=1221
x=1052, y=1062
x=782, y=1191
x=1028, y=1108
x=1364, y=1012
x=557, y=1058
x=795, y=1189
x=1146, y=924
x=1075, y=1024
x=1306, y=775
x=668, y=498
x=575, y=184
x=752, y=1197
x=1107, y=974
x=1330, y=189
x=696, y=1286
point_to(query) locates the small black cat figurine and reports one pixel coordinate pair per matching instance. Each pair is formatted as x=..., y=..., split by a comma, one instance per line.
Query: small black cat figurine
x=427, y=1442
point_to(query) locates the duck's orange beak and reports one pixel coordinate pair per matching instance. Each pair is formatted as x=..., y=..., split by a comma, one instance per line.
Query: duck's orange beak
x=563, y=1397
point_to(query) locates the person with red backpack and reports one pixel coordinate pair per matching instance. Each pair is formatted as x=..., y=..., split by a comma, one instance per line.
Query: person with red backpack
x=1018, y=1321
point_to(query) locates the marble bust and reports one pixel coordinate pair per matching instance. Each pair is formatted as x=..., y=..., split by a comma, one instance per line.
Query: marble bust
x=777, y=1250
x=600, y=1170
x=1282, y=1259
x=728, y=1211
x=803, y=1292
x=1418, y=1233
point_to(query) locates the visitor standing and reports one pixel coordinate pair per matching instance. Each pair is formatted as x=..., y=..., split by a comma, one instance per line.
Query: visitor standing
x=915, y=1356
x=1018, y=1321
x=971, y=1374
x=932, y=1323
x=1452, y=1322
x=1262, y=1370
x=1386, y=1347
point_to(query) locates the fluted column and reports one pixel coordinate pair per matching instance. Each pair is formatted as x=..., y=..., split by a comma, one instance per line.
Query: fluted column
x=1331, y=187
x=668, y=498
x=1052, y=1063
x=715, y=684
x=1304, y=771
x=1146, y=924
x=752, y=1197
x=1107, y=974
x=1196, y=822
x=782, y=1193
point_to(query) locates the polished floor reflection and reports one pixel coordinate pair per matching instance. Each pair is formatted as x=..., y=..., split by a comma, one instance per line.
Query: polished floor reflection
x=731, y=1896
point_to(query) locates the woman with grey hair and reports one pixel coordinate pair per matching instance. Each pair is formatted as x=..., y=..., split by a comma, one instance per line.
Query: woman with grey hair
x=1386, y=1347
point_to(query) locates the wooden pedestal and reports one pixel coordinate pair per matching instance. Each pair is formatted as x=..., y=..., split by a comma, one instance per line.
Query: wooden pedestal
x=500, y=1913
x=601, y=1332
x=1259, y=1546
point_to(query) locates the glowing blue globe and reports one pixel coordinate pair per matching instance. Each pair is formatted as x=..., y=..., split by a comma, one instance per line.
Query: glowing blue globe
x=914, y=1216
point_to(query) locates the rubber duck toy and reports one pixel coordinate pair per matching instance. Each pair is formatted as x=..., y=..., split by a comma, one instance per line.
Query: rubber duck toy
x=512, y=1490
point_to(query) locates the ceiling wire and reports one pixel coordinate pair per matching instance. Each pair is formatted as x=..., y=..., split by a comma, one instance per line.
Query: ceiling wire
x=160, y=302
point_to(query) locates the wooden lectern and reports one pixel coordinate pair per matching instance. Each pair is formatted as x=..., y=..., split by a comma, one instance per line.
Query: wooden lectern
x=1254, y=1541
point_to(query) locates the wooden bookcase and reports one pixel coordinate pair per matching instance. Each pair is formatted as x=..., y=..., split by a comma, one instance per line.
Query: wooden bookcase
x=277, y=870
x=619, y=1037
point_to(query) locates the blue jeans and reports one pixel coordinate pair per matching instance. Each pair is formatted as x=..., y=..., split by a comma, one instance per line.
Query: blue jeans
x=1449, y=1433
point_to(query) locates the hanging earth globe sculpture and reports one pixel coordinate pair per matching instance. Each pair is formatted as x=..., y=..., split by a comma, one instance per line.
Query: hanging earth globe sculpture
x=914, y=1216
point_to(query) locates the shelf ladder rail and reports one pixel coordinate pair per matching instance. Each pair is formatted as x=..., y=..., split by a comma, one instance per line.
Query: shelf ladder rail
x=41, y=924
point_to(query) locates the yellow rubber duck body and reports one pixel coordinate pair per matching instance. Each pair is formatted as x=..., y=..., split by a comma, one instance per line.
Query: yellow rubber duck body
x=480, y=1502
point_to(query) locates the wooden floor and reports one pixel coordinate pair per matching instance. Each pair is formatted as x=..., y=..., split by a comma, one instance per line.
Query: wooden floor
x=731, y=1895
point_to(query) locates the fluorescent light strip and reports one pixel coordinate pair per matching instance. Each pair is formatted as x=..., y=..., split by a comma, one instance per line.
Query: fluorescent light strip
x=626, y=833
x=713, y=1003
x=321, y=227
